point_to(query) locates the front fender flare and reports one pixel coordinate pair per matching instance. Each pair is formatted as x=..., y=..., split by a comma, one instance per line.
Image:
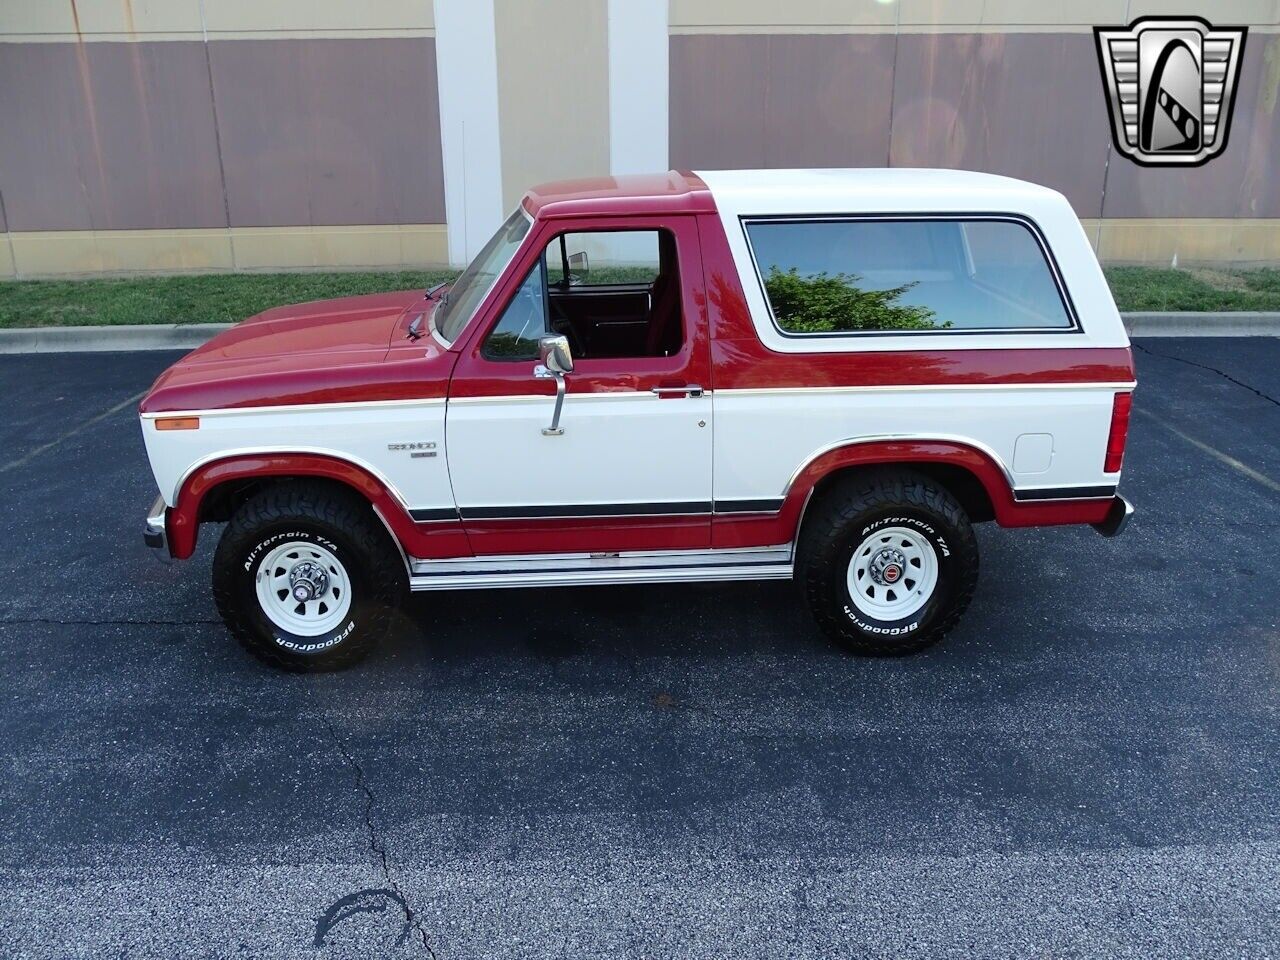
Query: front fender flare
x=184, y=516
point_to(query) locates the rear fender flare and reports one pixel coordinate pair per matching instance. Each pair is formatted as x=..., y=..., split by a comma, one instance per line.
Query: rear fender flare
x=980, y=461
x=976, y=459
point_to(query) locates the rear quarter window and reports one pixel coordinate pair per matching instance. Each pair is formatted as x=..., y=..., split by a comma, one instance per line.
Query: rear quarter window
x=853, y=276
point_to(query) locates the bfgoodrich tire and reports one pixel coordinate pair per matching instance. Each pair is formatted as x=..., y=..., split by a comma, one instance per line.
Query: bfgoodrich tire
x=888, y=562
x=306, y=578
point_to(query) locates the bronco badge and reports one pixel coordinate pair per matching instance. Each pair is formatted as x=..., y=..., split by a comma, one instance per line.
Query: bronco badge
x=416, y=450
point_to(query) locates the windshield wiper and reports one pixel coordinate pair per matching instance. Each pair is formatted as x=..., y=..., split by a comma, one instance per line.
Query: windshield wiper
x=431, y=294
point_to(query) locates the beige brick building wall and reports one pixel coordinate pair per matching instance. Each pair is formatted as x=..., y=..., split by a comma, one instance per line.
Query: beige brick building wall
x=195, y=135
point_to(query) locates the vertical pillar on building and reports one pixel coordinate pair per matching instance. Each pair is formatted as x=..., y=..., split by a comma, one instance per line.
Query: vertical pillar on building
x=467, y=72
x=638, y=86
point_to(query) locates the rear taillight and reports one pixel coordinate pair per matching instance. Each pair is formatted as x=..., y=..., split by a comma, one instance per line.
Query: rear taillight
x=1120, y=408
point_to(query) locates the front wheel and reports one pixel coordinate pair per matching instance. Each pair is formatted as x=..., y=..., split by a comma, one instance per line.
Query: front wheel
x=305, y=578
x=889, y=563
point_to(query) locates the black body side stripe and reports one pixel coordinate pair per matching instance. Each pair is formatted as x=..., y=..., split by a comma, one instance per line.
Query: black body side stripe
x=573, y=510
x=441, y=513
x=1065, y=493
x=768, y=505
x=693, y=507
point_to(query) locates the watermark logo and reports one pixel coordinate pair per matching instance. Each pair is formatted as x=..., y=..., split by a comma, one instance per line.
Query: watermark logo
x=1170, y=84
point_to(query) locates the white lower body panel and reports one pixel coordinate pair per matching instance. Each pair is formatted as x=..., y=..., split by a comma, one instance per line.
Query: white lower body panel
x=569, y=570
x=764, y=437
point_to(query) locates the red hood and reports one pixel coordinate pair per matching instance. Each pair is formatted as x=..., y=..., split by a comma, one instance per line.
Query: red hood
x=322, y=326
x=330, y=351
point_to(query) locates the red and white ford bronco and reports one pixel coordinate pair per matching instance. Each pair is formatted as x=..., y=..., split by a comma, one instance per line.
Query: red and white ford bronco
x=827, y=374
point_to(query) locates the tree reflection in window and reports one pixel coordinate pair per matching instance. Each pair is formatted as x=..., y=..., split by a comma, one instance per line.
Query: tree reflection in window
x=829, y=303
x=503, y=345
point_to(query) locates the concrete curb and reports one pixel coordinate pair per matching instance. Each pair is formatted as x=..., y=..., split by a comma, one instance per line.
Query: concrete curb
x=191, y=335
x=1241, y=324
x=142, y=336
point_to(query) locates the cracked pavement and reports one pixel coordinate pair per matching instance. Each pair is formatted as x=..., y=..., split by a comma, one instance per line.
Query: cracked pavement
x=1089, y=766
x=377, y=846
x=1142, y=348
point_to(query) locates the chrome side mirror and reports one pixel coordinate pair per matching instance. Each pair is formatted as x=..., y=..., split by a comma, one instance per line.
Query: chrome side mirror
x=554, y=352
x=557, y=360
x=579, y=267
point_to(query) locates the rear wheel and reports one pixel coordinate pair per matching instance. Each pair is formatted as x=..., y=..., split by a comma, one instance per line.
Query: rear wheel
x=305, y=577
x=889, y=562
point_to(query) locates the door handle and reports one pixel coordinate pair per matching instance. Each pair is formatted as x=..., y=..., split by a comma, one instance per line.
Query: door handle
x=690, y=390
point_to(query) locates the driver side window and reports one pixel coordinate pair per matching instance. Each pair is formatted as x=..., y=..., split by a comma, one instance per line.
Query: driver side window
x=523, y=322
x=613, y=294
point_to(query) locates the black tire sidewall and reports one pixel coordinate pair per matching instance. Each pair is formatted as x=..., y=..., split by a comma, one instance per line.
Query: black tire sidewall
x=946, y=545
x=244, y=588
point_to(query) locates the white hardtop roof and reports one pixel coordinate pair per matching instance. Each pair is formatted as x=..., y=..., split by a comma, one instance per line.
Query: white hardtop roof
x=743, y=194
x=871, y=190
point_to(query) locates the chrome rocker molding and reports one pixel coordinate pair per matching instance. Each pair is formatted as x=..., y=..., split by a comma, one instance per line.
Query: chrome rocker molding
x=566, y=570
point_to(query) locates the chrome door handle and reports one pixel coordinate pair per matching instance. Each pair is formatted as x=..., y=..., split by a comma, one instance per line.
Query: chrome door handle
x=692, y=390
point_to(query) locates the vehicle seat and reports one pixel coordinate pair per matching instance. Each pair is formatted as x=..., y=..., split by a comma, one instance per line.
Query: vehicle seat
x=664, y=315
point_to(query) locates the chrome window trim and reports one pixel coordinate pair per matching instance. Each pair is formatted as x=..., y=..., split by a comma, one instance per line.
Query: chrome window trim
x=1022, y=220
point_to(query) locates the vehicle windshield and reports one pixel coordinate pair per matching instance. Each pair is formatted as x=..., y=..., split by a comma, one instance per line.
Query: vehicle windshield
x=481, y=274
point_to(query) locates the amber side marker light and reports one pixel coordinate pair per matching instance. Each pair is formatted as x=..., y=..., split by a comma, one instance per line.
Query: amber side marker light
x=177, y=423
x=1120, y=408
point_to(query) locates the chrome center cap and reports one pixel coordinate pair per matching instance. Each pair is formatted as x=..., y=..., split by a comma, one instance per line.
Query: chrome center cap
x=888, y=566
x=308, y=581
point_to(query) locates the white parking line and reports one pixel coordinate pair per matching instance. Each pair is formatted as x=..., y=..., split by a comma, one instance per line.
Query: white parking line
x=1217, y=454
x=31, y=455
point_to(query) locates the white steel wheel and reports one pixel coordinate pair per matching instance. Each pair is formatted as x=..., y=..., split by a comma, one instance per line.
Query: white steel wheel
x=303, y=589
x=892, y=574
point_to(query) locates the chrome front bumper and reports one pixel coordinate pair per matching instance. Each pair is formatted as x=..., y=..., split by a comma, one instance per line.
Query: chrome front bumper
x=153, y=534
x=1117, y=518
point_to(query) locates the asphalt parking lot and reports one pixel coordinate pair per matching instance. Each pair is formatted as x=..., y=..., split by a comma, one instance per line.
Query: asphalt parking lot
x=1089, y=766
